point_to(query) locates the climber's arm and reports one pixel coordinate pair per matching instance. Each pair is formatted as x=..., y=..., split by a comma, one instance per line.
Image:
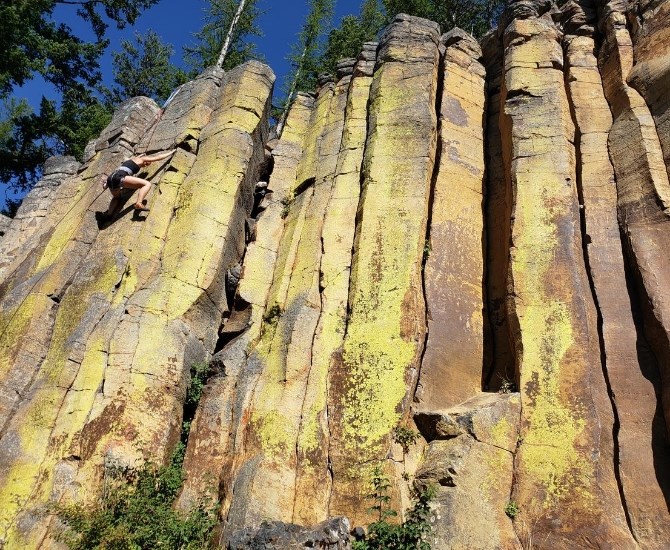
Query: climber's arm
x=143, y=160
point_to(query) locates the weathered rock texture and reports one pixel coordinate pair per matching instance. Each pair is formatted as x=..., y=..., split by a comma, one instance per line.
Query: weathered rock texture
x=467, y=239
x=99, y=328
x=34, y=208
x=328, y=535
x=5, y=222
x=451, y=371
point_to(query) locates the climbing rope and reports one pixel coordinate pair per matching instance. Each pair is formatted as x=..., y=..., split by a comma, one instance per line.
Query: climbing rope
x=158, y=118
x=47, y=270
x=159, y=115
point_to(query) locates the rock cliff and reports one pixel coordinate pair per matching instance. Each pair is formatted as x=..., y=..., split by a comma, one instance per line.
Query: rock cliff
x=467, y=239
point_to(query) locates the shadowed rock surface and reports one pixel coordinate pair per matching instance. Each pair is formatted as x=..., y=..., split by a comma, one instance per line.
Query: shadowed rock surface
x=329, y=535
x=466, y=239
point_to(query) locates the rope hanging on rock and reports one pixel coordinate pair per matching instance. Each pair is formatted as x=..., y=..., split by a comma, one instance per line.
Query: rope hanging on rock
x=158, y=118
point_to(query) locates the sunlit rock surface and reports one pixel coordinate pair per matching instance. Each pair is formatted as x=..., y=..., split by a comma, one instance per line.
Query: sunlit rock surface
x=465, y=239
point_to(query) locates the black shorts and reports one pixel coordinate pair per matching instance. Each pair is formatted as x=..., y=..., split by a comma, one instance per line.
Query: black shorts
x=115, y=180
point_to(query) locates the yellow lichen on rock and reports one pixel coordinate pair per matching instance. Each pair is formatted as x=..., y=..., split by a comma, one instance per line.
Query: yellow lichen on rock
x=552, y=305
x=386, y=321
x=109, y=382
x=451, y=369
x=282, y=389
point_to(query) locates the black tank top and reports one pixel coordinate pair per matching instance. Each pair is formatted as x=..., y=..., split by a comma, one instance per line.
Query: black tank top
x=131, y=165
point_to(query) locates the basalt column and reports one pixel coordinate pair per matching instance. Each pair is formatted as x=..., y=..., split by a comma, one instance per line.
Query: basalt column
x=52, y=418
x=29, y=295
x=639, y=453
x=567, y=491
x=643, y=189
x=214, y=443
x=451, y=369
x=34, y=209
x=314, y=478
x=34, y=329
x=650, y=75
x=108, y=383
x=185, y=298
x=386, y=326
x=276, y=458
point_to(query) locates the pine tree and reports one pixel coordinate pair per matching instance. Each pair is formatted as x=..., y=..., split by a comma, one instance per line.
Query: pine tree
x=143, y=68
x=305, y=57
x=347, y=39
x=224, y=24
x=33, y=43
x=474, y=16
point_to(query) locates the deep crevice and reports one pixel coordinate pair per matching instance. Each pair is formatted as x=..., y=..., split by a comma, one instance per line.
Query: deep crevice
x=236, y=321
x=309, y=182
x=650, y=362
x=431, y=199
x=499, y=371
x=519, y=93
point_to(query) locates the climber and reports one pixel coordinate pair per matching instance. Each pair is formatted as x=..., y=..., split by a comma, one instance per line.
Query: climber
x=124, y=179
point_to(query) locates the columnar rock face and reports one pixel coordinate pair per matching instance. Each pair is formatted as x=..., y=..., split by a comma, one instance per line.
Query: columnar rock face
x=125, y=311
x=34, y=208
x=468, y=240
x=554, y=315
x=386, y=328
x=451, y=370
x=650, y=75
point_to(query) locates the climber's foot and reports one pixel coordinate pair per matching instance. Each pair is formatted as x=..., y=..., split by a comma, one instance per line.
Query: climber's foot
x=139, y=207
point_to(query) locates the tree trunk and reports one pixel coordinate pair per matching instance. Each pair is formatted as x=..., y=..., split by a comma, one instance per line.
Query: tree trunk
x=289, y=97
x=229, y=36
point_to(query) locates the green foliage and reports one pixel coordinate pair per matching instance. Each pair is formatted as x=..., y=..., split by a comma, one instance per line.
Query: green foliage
x=11, y=207
x=121, y=12
x=272, y=315
x=379, y=495
x=347, y=39
x=305, y=54
x=286, y=207
x=136, y=508
x=136, y=512
x=474, y=16
x=210, y=39
x=404, y=436
x=409, y=535
x=143, y=68
x=506, y=386
x=30, y=138
x=427, y=249
x=512, y=509
x=81, y=118
x=200, y=372
x=34, y=44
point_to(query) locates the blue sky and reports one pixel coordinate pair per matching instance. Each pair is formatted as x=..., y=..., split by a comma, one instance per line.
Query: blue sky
x=176, y=21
